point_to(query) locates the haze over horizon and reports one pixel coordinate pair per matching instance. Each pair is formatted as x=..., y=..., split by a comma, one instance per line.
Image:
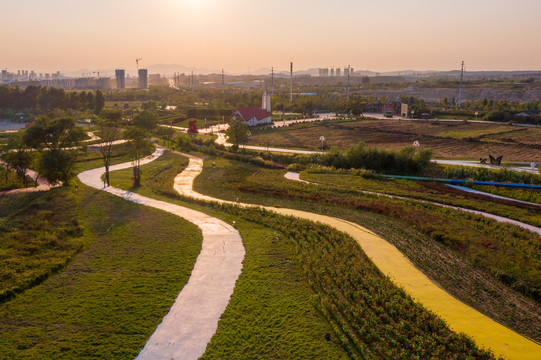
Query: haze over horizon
x=242, y=36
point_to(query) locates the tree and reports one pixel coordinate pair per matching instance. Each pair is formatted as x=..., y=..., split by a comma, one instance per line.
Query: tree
x=19, y=159
x=58, y=141
x=109, y=132
x=166, y=133
x=237, y=132
x=138, y=146
x=99, y=102
x=147, y=120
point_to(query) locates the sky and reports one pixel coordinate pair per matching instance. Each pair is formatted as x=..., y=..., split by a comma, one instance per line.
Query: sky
x=244, y=35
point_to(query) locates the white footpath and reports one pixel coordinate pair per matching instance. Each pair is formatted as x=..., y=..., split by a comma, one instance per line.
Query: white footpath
x=193, y=319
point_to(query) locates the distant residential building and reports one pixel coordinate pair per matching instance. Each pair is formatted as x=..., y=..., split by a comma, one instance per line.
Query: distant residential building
x=120, y=78
x=103, y=83
x=254, y=116
x=337, y=71
x=332, y=72
x=143, y=79
x=324, y=72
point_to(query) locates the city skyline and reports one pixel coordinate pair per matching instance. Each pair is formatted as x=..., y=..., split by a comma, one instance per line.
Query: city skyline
x=244, y=36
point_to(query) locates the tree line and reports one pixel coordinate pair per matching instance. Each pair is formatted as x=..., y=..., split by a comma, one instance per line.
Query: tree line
x=39, y=100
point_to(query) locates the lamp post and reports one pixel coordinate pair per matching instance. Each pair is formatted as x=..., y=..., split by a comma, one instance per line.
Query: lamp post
x=322, y=139
x=476, y=113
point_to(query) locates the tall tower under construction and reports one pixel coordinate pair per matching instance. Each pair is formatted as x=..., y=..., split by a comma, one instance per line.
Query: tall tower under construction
x=120, y=78
x=143, y=79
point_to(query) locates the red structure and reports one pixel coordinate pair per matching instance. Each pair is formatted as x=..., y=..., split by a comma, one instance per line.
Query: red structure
x=192, y=128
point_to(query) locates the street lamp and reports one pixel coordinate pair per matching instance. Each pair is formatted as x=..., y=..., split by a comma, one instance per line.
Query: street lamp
x=322, y=139
x=476, y=113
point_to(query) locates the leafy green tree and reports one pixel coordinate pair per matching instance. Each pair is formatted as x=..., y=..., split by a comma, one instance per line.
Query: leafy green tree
x=146, y=120
x=109, y=131
x=99, y=102
x=58, y=141
x=166, y=133
x=138, y=146
x=237, y=132
x=19, y=159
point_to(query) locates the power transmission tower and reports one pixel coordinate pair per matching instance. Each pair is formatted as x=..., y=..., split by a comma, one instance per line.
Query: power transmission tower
x=223, y=83
x=460, y=89
x=349, y=70
x=291, y=87
x=272, y=81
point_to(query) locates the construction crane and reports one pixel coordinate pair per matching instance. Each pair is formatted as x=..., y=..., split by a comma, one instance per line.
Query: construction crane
x=96, y=72
x=137, y=63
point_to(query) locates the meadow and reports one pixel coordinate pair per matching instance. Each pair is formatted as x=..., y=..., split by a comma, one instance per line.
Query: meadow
x=119, y=280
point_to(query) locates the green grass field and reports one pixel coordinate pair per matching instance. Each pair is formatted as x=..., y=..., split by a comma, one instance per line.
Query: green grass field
x=110, y=296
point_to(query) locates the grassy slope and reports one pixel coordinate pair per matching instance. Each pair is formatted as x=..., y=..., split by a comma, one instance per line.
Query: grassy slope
x=38, y=239
x=270, y=315
x=443, y=263
x=113, y=294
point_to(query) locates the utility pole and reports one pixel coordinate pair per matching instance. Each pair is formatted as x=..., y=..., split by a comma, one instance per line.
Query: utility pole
x=460, y=89
x=349, y=70
x=272, y=81
x=291, y=87
x=223, y=83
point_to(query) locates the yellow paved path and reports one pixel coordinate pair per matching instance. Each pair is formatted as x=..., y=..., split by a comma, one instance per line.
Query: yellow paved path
x=391, y=262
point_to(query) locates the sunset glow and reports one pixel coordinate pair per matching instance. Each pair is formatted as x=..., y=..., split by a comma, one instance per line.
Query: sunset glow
x=240, y=35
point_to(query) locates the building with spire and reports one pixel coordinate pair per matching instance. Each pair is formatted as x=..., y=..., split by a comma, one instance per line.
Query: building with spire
x=254, y=116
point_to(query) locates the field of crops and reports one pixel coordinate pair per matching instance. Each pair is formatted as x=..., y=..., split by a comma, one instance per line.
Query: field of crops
x=449, y=140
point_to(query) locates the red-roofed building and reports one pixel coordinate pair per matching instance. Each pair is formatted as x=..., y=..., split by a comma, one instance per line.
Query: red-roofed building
x=254, y=116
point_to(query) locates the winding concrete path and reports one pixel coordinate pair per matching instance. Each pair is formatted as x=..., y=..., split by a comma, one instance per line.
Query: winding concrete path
x=296, y=177
x=193, y=319
x=460, y=317
x=43, y=184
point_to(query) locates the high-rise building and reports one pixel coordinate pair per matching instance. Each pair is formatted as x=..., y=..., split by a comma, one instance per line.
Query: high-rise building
x=337, y=71
x=346, y=71
x=143, y=79
x=324, y=72
x=120, y=78
x=332, y=72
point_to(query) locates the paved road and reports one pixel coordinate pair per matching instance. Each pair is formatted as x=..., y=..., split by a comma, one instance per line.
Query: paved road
x=193, y=319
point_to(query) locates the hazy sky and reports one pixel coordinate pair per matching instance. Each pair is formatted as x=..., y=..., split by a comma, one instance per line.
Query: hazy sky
x=242, y=35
